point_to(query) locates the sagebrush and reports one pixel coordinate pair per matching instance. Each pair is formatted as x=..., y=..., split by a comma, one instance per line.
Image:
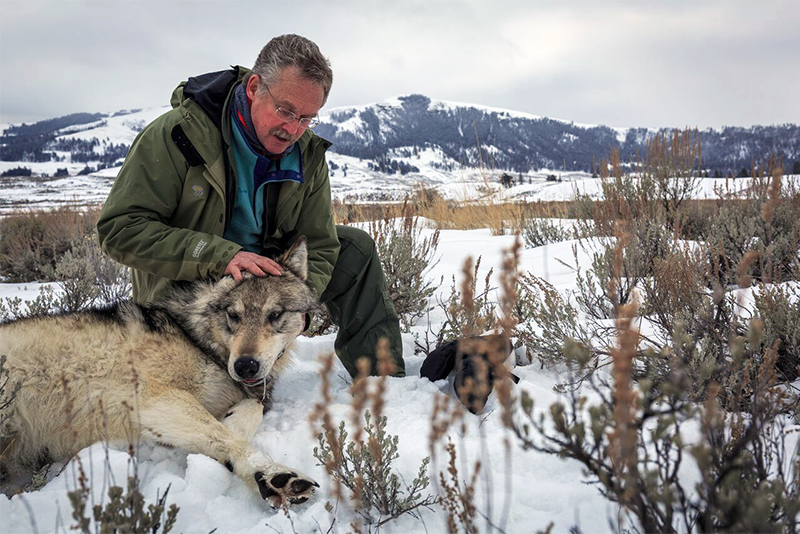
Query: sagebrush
x=661, y=332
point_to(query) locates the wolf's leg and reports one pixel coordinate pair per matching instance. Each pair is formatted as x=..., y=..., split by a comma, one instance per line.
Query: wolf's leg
x=243, y=419
x=176, y=418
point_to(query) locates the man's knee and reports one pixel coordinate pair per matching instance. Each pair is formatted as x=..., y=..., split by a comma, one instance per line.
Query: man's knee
x=357, y=261
x=356, y=240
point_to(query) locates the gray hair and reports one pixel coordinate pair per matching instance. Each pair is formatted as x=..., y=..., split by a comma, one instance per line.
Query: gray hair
x=293, y=51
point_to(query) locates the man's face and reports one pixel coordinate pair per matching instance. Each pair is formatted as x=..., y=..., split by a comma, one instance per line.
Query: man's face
x=290, y=92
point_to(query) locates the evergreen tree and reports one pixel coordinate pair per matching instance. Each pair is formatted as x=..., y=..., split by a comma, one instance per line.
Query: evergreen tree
x=17, y=171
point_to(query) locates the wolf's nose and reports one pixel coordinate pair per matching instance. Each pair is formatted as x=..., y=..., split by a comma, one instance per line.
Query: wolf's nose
x=246, y=367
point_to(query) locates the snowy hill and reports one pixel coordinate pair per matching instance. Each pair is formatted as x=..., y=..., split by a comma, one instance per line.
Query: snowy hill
x=469, y=135
x=383, y=151
x=119, y=128
x=475, y=136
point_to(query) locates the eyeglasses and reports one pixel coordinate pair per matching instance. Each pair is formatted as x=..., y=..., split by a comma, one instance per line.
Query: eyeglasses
x=287, y=116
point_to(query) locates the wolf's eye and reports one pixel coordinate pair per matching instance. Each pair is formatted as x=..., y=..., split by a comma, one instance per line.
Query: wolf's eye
x=274, y=316
x=233, y=316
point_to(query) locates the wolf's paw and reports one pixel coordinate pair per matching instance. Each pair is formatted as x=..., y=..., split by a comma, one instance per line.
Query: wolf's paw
x=281, y=486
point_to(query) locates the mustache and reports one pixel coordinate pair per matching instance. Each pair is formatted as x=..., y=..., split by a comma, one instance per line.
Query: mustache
x=283, y=135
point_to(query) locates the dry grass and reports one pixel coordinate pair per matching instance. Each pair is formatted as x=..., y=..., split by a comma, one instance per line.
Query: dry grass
x=502, y=218
x=509, y=217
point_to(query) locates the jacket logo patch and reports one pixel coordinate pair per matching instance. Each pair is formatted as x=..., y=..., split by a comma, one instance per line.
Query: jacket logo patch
x=199, y=248
x=198, y=190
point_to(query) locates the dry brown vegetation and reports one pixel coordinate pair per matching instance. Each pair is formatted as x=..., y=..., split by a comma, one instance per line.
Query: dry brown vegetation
x=501, y=217
x=31, y=242
x=702, y=362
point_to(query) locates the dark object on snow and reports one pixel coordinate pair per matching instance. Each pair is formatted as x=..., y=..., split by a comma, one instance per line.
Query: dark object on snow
x=474, y=373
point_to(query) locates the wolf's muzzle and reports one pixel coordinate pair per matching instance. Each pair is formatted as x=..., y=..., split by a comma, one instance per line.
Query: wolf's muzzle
x=246, y=368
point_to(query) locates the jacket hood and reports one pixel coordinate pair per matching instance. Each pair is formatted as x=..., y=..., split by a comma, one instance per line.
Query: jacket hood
x=209, y=91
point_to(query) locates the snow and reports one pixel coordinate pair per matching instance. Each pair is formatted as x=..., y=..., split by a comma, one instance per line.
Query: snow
x=535, y=488
x=119, y=129
x=360, y=184
x=539, y=488
x=49, y=193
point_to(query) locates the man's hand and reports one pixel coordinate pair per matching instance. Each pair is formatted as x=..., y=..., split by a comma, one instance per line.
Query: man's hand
x=252, y=263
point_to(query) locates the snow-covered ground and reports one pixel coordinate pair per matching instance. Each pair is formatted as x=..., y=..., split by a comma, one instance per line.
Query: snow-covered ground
x=357, y=183
x=534, y=488
x=21, y=194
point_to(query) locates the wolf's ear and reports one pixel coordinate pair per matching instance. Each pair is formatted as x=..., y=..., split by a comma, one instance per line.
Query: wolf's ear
x=296, y=258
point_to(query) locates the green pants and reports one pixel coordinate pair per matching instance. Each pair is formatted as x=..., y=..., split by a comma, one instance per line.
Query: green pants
x=359, y=304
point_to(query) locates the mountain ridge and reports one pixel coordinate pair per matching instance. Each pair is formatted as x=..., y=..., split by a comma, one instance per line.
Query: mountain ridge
x=467, y=136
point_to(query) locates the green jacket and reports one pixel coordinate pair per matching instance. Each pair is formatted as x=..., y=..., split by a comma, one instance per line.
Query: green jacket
x=172, y=200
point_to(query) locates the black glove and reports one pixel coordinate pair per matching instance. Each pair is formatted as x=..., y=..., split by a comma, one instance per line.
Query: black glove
x=474, y=373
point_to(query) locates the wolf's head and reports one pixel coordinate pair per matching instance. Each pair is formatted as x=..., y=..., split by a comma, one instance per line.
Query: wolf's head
x=250, y=325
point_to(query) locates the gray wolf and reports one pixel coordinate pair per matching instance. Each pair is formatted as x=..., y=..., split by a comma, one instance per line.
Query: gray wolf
x=193, y=371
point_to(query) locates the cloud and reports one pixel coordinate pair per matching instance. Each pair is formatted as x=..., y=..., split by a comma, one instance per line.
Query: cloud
x=617, y=63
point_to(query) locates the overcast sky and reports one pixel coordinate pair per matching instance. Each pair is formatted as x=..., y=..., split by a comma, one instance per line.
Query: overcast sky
x=626, y=63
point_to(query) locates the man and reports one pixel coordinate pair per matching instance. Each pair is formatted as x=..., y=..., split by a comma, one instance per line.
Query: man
x=230, y=177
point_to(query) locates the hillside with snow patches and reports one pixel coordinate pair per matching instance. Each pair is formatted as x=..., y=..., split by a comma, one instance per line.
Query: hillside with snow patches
x=383, y=151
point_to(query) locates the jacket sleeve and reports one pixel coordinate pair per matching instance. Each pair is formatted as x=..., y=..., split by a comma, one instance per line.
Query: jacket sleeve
x=134, y=224
x=316, y=223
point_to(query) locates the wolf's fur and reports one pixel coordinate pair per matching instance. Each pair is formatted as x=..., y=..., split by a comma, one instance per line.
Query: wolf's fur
x=167, y=373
